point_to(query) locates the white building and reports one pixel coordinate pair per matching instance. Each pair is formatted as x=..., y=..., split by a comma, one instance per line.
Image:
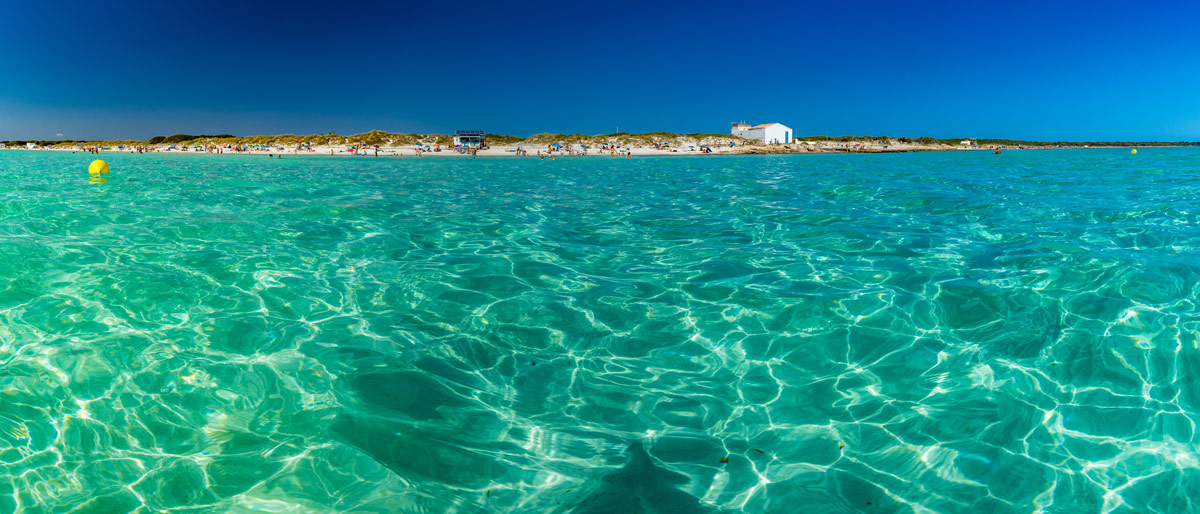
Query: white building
x=768, y=133
x=31, y=146
x=966, y=142
x=473, y=138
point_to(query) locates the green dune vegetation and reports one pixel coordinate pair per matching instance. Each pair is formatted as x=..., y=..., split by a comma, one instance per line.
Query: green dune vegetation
x=390, y=139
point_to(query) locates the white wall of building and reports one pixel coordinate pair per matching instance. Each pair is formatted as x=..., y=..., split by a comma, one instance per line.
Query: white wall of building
x=749, y=134
x=774, y=133
x=777, y=134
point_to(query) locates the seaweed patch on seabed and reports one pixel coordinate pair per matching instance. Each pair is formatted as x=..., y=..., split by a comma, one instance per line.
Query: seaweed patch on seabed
x=642, y=487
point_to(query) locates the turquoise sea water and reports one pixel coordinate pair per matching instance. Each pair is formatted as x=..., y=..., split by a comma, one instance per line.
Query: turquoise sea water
x=936, y=332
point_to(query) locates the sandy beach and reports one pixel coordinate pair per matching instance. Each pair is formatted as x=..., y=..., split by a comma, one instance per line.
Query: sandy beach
x=525, y=150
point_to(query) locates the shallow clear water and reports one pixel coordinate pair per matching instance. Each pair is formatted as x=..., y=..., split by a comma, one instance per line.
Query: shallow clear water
x=878, y=333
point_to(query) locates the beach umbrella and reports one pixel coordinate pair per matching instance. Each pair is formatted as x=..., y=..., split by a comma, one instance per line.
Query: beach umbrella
x=556, y=145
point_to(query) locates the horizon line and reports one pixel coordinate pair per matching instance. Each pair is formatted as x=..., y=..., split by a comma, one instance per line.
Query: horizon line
x=63, y=139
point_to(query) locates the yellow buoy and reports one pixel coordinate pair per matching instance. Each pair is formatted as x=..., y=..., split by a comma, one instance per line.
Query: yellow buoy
x=97, y=167
x=1134, y=151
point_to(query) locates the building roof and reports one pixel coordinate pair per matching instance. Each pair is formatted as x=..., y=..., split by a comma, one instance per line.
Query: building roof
x=764, y=125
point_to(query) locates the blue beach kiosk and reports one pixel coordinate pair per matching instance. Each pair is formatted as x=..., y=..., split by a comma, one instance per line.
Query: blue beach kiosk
x=468, y=138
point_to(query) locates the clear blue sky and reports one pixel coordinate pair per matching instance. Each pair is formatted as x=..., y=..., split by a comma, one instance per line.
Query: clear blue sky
x=1034, y=70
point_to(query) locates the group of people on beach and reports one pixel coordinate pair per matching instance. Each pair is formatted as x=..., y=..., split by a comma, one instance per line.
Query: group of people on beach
x=612, y=152
x=550, y=152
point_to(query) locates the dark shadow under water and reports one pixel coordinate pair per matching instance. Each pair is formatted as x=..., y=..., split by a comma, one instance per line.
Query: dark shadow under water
x=641, y=487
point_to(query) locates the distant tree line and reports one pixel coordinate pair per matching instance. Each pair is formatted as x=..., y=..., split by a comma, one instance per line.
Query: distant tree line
x=1019, y=142
x=41, y=142
x=179, y=138
x=378, y=137
x=998, y=142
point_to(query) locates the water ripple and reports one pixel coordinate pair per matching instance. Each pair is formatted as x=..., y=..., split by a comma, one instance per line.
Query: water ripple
x=891, y=333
